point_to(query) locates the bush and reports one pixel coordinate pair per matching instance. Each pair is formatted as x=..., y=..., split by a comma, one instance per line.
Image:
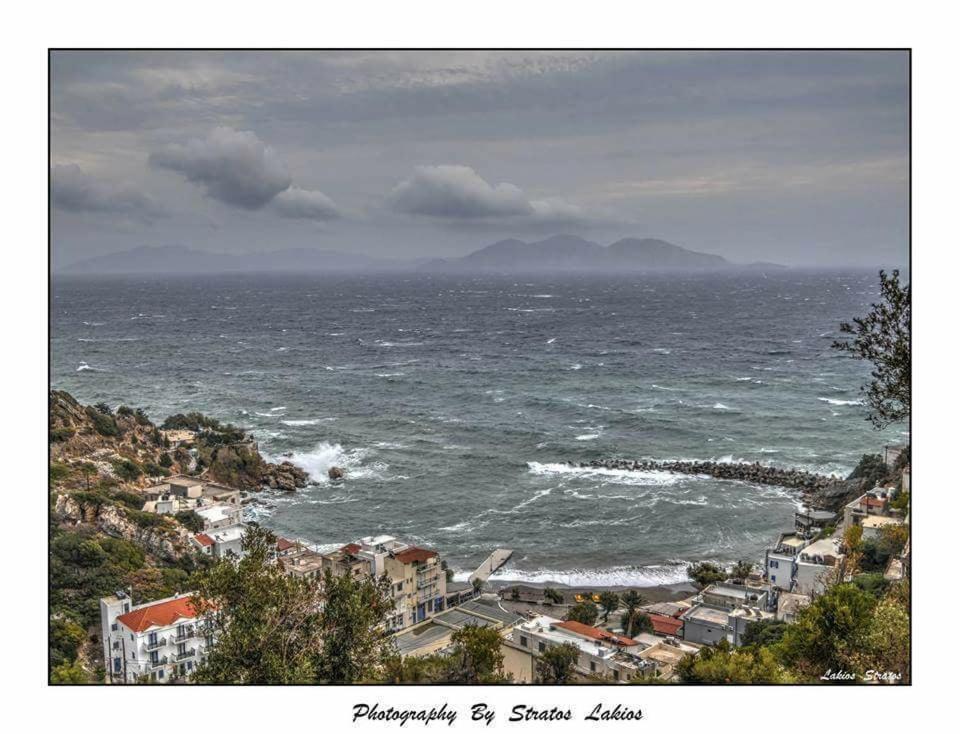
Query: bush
x=66, y=638
x=552, y=595
x=58, y=472
x=165, y=461
x=872, y=583
x=129, y=499
x=765, y=632
x=127, y=470
x=59, y=435
x=190, y=520
x=146, y=520
x=706, y=573
x=872, y=468
x=103, y=423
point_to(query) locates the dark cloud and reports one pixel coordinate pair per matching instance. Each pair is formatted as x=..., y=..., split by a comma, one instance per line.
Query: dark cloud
x=297, y=203
x=233, y=166
x=73, y=190
x=797, y=157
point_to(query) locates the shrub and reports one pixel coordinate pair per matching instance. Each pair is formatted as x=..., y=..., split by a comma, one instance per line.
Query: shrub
x=103, y=423
x=872, y=583
x=872, y=468
x=552, y=595
x=165, y=461
x=127, y=470
x=59, y=435
x=706, y=573
x=190, y=520
x=58, y=472
x=146, y=520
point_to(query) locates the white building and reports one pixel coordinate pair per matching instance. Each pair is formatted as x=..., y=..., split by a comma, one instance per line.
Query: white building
x=817, y=566
x=780, y=562
x=158, y=641
x=603, y=654
x=226, y=542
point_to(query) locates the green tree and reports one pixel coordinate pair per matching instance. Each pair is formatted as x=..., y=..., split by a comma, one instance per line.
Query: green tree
x=584, y=612
x=725, y=664
x=552, y=595
x=556, y=663
x=265, y=622
x=882, y=337
x=764, y=633
x=635, y=621
x=476, y=656
x=741, y=570
x=609, y=602
x=66, y=638
x=706, y=573
x=87, y=470
x=69, y=673
x=871, y=468
x=829, y=634
x=354, y=647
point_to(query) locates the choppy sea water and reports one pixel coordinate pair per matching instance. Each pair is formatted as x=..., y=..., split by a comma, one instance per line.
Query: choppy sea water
x=453, y=401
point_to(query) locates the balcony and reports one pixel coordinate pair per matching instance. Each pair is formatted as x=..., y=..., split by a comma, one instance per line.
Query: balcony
x=186, y=654
x=157, y=643
x=185, y=633
x=159, y=662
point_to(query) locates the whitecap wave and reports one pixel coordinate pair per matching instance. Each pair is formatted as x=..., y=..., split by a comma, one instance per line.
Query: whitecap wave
x=721, y=406
x=587, y=437
x=834, y=401
x=304, y=422
x=325, y=455
x=620, y=476
x=617, y=576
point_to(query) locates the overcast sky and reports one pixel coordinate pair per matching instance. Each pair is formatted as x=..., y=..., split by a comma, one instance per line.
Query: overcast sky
x=791, y=157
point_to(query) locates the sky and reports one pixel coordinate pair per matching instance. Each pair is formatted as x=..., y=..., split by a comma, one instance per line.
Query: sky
x=799, y=158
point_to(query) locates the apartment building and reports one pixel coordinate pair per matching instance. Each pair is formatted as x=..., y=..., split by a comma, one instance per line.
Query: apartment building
x=159, y=641
x=602, y=654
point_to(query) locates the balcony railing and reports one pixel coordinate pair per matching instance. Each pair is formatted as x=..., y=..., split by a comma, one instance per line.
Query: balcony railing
x=154, y=644
x=185, y=633
x=158, y=662
x=186, y=654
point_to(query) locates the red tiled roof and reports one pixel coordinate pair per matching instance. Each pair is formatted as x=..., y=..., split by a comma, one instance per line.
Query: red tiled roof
x=158, y=615
x=203, y=539
x=874, y=501
x=284, y=544
x=413, y=554
x=664, y=625
x=350, y=548
x=585, y=630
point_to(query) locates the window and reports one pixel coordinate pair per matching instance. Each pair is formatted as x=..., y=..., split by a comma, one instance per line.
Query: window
x=189, y=665
x=593, y=667
x=113, y=627
x=616, y=675
x=117, y=664
x=773, y=579
x=160, y=675
x=541, y=647
x=774, y=564
x=523, y=641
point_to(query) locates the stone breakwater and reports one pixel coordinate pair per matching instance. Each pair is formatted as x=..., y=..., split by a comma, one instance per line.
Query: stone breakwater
x=792, y=478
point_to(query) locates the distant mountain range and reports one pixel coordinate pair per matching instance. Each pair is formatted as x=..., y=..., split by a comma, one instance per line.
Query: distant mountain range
x=557, y=253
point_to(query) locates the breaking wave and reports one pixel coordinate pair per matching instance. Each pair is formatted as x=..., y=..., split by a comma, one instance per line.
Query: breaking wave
x=622, y=476
x=616, y=576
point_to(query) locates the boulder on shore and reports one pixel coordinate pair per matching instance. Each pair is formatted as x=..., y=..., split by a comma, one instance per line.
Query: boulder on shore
x=335, y=472
x=285, y=476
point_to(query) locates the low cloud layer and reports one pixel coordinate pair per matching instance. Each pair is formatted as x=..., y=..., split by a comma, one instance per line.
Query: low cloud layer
x=72, y=190
x=458, y=193
x=297, y=203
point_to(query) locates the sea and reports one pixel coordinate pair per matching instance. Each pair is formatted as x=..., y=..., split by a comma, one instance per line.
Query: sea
x=454, y=402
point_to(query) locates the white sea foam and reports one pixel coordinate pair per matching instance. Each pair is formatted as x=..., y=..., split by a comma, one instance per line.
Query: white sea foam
x=325, y=455
x=551, y=341
x=587, y=437
x=721, y=406
x=616, y=576
x=834, y=401
x=576, y=366
x=304, y=422
x=619, y=476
